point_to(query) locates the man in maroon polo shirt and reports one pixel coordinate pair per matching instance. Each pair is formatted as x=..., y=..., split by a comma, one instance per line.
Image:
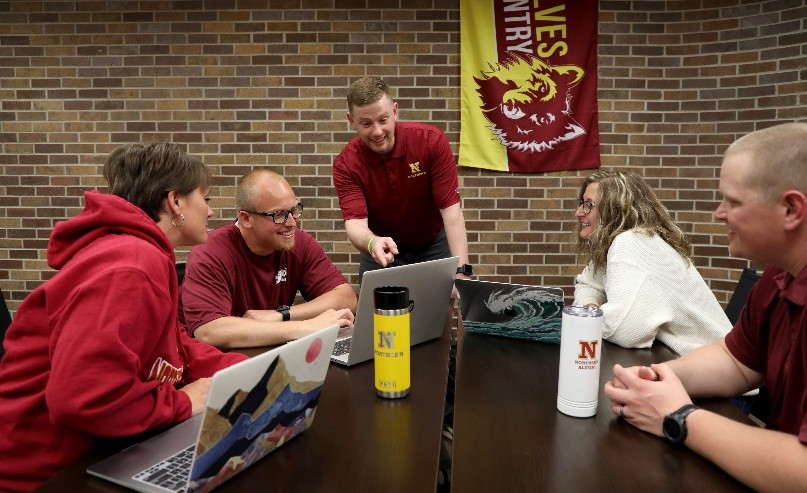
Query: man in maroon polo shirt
x=397, y=185
x=240, y=286
x=763, y=181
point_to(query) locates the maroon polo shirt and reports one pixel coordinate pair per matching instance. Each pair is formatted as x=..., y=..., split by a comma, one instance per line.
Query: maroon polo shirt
x=770, y=337
x=400, y=194
x=224, y=278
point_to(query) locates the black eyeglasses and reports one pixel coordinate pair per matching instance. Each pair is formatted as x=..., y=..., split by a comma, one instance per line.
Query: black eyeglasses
x=586, y=204
x=280, y=217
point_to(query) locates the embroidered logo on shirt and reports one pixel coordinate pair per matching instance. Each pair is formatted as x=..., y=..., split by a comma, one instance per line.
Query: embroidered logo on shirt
x=164, y=371
x=280, y=276
x=414, y=170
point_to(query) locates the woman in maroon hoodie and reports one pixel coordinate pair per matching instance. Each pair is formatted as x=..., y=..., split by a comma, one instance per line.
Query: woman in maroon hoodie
x=96, y=352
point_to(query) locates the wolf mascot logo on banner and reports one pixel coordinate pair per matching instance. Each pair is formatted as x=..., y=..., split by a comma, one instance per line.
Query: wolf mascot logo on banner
x=529, y=83
x=527, y=103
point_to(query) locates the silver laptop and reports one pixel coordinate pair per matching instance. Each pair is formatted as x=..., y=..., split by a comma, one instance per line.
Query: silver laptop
x=253, y=407
x=511, y=310
x=429, y=284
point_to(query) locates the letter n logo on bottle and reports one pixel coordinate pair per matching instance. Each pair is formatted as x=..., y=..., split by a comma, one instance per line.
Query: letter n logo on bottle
x=588, y=350
x=385, y=339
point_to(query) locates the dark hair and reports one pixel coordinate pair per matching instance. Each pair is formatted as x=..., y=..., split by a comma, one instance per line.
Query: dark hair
x=143, y=174
x=366, y=90
x=625, y=201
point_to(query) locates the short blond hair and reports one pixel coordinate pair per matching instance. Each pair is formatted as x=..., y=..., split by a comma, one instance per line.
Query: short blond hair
x=366, y=90
x=778, y=159
x=248, y=185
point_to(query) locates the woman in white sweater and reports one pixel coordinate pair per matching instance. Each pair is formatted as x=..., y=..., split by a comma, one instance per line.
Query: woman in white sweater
x=639, y=270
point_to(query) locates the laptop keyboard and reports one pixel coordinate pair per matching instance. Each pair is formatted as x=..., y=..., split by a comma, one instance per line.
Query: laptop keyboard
x=171, y=473
x=341, y=347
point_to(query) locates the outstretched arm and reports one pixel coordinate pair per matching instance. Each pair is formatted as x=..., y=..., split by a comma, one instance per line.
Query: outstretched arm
x=454, y=223
x=236, y=332
x=766, y=460
x=382, y=248
x=342, y=296
x=712, y=371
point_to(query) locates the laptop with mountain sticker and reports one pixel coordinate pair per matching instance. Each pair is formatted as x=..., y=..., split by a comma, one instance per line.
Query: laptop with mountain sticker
x=253, y=408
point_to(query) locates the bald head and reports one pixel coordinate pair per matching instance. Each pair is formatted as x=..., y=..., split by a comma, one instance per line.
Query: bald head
x=260, y=185
x=778, y=157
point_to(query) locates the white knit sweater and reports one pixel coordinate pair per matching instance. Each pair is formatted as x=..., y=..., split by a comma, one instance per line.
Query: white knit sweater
x=649, y=291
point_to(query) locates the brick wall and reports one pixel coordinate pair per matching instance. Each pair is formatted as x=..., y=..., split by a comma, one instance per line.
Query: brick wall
x=244, y=83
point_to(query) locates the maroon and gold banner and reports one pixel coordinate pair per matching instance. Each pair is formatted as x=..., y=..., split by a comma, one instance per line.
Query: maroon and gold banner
x=529, y=85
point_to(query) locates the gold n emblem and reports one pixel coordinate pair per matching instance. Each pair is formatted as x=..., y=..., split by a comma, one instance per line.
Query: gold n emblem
x=385, y=339
x=414, y=168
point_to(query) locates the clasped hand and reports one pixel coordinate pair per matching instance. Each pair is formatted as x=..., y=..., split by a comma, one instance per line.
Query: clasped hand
x=643, y=395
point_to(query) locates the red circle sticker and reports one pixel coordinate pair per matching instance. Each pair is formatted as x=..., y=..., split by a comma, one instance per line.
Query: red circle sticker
x=313, y=350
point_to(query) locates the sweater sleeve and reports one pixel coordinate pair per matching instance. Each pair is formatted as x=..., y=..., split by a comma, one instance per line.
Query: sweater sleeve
x=104, y=349
x=634, y=309
x=204, y=360
x=589, y=288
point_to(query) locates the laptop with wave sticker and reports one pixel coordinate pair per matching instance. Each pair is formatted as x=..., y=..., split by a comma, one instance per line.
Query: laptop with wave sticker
x=511, y=310
x=253, y=408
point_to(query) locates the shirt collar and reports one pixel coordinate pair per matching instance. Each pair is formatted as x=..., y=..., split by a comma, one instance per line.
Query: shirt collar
x=794, y=289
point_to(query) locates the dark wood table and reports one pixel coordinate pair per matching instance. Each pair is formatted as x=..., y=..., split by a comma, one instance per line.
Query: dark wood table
x=358, y=441
x=509, y=436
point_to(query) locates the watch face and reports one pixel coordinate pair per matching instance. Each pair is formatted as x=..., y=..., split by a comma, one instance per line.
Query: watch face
x=672, y=429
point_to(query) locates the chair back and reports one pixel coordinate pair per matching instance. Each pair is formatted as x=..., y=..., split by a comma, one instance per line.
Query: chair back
x=180, y=272
x=740, y=295
x=5, y=321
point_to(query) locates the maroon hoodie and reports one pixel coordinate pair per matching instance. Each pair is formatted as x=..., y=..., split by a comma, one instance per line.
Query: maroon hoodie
x=96, y=351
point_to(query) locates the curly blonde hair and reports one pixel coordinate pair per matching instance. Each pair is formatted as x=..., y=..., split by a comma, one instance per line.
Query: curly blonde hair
x=625, y=202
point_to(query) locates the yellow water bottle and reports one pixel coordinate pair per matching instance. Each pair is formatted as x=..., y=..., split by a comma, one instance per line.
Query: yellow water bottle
x=391, y=341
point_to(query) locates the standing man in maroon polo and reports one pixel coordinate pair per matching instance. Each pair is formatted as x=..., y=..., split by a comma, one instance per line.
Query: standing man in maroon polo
x=397, y=185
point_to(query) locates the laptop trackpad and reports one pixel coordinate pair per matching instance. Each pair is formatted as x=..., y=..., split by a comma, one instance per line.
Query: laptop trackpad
x=180, y=436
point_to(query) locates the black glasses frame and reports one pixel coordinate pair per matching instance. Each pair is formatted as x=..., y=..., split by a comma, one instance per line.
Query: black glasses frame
x=587, y=205
x=283, y=215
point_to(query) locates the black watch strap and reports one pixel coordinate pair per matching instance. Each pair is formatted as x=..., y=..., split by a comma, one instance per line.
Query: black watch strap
x=466, y=269
x=284, y=310
x=675, y=423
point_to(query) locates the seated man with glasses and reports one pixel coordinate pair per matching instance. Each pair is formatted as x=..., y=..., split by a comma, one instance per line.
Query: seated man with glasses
x=240, y=286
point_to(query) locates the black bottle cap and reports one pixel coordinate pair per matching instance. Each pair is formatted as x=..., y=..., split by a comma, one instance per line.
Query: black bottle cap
x=391, y=298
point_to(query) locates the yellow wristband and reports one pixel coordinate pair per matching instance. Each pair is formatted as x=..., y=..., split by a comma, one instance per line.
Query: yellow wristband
x=370, y=245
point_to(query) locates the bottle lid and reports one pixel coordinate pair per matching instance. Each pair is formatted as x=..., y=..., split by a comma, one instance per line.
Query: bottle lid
x=391, y=298
x=582, y=311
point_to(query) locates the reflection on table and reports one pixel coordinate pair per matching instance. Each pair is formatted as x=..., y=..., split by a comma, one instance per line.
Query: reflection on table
x=509, y=436
x=358, y=441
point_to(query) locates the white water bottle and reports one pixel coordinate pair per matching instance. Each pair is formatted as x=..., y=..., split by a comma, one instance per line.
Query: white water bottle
x=579, y=368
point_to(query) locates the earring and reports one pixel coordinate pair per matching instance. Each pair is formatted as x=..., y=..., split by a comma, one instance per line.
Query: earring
x=180, y=224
